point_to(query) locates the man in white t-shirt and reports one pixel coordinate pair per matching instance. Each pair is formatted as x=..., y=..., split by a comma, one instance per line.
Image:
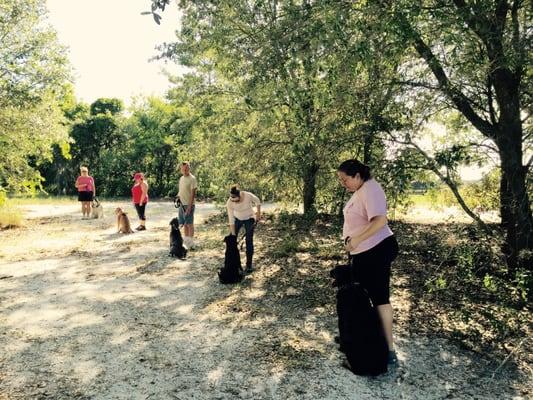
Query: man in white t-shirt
x=187, y=194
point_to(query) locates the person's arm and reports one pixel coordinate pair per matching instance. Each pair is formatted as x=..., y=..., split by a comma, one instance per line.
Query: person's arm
x=78, y=184
x=189, y=206
x=376, y=223
x=231, y=219
x=257, y=203
x=94, y=187
x=144, y=193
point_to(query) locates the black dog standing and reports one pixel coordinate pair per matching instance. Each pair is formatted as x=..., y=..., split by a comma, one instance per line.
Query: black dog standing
x=362, y=338
x=176, y=241
x=232, y=271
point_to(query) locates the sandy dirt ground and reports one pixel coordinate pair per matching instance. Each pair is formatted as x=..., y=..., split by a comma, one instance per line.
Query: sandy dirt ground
x=86, y=313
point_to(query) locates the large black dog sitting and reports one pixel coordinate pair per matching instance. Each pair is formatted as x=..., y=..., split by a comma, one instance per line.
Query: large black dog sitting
x=232, y=271
x=361, y=333
x=176, y=241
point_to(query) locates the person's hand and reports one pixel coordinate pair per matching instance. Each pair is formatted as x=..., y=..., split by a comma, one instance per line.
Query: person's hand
x=188, y=211
x=257, y=217
x=351, y=244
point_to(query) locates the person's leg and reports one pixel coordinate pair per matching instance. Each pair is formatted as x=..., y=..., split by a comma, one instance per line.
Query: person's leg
x=143, y=214
x=238, y=225
x=372, y=270
x=86, y=209
x=190, y=222
x=249, y=226
x=385, y=313
x=140, y=215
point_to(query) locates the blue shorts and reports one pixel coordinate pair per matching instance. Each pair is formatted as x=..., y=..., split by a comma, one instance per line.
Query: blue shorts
x=185, y=219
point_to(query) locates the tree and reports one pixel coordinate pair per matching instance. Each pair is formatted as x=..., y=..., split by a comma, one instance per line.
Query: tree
x=477, y=54
x=295, y=78
x=33, y=71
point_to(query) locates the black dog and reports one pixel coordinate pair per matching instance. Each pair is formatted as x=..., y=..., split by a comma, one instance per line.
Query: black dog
x=232, y=271
x=176, y=241
x=361, y=333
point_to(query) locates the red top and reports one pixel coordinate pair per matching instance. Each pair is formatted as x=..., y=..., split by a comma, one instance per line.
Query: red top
x=85, y=180
x=136, y=193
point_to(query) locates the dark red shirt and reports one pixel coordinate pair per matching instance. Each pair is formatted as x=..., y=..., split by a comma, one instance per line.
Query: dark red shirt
x=136, y=193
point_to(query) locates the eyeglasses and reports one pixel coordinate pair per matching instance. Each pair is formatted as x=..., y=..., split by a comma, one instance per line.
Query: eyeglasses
x=342, y=180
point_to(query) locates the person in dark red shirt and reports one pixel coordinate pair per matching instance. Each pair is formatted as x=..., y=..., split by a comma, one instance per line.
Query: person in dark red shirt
x=139, y=194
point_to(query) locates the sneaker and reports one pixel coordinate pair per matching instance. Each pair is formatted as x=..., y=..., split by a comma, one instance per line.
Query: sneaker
x=392, y=359
x=140, y=228
x=249, y=270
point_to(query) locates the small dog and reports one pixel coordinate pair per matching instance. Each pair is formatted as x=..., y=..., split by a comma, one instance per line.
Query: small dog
x=232, y=271
x=176, y=241
x=123, y=223
x=362, y=338
x=97, y=209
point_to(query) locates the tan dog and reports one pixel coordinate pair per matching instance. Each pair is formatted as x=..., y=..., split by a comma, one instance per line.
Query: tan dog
x=123, y=223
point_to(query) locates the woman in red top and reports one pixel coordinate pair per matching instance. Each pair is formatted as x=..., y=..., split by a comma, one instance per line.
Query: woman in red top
x=86, y=191
x=139, y=194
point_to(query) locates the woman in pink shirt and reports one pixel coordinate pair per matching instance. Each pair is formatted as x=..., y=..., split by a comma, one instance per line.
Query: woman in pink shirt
x=369, y=240
x=86, y=191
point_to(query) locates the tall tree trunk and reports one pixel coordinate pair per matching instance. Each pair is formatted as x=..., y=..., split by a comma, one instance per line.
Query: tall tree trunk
x=517, y=221
x=310, y=188
x=367, y=147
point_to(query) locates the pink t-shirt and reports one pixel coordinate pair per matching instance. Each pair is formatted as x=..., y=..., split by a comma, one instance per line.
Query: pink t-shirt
x=365, y=203
x=85, y=180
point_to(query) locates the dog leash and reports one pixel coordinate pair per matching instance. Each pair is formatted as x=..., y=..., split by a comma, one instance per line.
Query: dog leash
x=178, y=204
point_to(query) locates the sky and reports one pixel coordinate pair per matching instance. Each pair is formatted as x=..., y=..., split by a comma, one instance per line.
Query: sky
x=110, y=43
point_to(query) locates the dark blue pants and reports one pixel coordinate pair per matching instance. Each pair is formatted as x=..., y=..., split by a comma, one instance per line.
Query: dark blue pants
x=249, y=229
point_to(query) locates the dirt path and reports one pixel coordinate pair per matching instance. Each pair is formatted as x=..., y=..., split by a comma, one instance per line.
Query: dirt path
x=86, y=313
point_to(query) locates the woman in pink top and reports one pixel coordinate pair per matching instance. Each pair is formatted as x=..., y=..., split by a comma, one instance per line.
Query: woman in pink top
x=139, y=194
x=86, y=191
x=368, y=239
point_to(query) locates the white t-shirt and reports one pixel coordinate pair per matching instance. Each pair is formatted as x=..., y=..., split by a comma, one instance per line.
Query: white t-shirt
x=243, y=209
x=186, y=185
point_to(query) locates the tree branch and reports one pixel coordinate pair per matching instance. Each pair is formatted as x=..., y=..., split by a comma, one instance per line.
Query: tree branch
x=461, y=102
x=448, y=181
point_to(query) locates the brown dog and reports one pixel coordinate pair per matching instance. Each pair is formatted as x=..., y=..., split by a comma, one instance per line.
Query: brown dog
x=123, y=223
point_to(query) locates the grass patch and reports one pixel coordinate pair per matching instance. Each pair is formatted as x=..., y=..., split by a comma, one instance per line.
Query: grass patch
x=10, y=217
x=41, y=199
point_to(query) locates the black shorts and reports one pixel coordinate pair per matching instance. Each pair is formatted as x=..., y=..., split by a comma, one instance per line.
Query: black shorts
x=140, y=211
x=372, y=268
x=85, y=196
